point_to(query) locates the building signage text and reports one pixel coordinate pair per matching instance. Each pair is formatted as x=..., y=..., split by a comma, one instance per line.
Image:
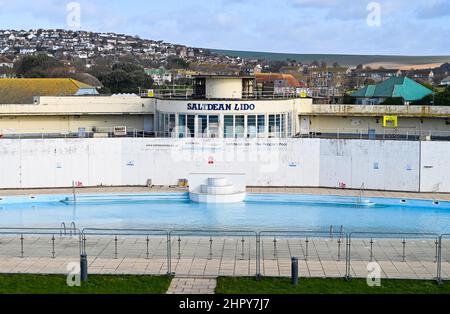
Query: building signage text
x=220, y=107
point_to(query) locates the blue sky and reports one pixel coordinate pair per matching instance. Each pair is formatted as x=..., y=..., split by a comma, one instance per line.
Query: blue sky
x=407, y=27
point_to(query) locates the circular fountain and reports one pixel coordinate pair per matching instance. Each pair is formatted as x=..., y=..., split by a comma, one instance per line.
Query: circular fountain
x=217, y=191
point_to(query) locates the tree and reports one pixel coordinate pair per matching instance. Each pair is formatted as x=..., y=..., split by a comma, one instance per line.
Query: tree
x=393, y=101
x=176, y=63
x=125, y=78
x=335, y=65
x=40, y=66
x=439, y=99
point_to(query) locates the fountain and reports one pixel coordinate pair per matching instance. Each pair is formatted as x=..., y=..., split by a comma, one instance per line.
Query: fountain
x=217, y=191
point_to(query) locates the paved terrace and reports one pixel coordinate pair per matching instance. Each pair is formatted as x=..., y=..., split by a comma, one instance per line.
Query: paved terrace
x=231, y=255
x=287, y=190
x=212, y=255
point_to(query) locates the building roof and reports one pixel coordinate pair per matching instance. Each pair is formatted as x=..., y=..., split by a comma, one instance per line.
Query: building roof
x=214, y=76
x=447, y=79
x=88, y=79
x=394, y=87
x=22, y=91
x=3, y=59
x=289, y=78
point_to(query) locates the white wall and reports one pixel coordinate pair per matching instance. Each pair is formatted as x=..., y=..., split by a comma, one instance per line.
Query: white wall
x=268, y=162
x=383, y=165
x=435, y=167
x=226, y=88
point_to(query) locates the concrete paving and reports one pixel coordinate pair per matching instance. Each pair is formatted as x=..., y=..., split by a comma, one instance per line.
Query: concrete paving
x=192, y=286
x=287, y=190
x=233, y=255
x=224, y=256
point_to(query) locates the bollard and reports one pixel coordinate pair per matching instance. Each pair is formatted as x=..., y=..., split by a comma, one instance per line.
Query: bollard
x=294, y=271
x=83, y=267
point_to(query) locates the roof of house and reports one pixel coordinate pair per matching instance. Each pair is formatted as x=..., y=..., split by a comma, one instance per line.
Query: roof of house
x=289, y=78
x=394, y=87
x=22, y=91
x=3, y=59
x=447, y=79
x=88, y=79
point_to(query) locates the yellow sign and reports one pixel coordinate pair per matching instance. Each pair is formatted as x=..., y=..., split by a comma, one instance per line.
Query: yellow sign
x=151, y=93
x=390, y=121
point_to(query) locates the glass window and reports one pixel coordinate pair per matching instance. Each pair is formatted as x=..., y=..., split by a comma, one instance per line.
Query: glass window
x=182, y=126
x=202, y=126
x=190, y=125
x=213, y=126
x=283, y=125
x=278, y=125
x=262, y=125
x=251, y=126
x=228, y=127
x=239, y=126
x=272, y=126
x=161, y=124
x=172, y=124
x=289, y=124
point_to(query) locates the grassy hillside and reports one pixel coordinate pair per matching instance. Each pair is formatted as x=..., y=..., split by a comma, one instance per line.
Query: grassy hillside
x=345, y=60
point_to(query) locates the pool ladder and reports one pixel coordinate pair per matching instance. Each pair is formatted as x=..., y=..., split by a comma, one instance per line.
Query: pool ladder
x=72, y=229
x=361, y=193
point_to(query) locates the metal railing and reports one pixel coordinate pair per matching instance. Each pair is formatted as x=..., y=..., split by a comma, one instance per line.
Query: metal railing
x=326, y=133
x=31, y=233
x=246, y=251
x=188, y=93
x=402, y=134
x=104, y=132
x=198, y=252
x=390, y=248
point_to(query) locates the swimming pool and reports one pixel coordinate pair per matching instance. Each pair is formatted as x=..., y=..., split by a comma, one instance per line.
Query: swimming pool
x=259, y=212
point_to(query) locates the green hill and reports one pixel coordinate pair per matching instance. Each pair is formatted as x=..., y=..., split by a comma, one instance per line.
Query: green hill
x=344, y=60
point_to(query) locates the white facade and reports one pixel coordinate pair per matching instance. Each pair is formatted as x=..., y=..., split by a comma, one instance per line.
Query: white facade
x=225, y=88
x=382, y=165
x=228, y=119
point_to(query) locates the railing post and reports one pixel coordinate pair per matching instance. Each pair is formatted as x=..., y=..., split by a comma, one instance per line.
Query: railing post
x=169, y=254
x=53, y=246
x=339, y=249
x=275, y=254
x=258, y=255
x=404, y=251
x=306, y=249
x=348, y=258
x=210, y=248
x=115, y=247
x=371, y=250
x=439, y=262
x=147, y=252
x=21, y=246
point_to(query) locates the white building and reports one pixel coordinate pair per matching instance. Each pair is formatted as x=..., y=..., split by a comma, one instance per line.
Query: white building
x=226, y=107
x=446, y=81
x=219, y=107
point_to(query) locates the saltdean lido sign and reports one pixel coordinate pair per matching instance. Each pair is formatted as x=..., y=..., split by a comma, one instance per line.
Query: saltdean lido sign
x=220, y=107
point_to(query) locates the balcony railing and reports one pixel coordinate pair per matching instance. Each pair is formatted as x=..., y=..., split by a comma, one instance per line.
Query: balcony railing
x=189, y=94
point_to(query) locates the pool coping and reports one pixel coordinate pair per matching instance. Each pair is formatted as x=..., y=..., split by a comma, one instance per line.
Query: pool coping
x=257, y=190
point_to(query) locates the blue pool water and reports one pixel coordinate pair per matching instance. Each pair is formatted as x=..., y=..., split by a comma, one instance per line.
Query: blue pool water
x=258, y=212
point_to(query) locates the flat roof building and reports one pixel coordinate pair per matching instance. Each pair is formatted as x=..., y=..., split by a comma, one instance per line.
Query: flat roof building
x=214, y=107
x=227, y=107
x=24, y=90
